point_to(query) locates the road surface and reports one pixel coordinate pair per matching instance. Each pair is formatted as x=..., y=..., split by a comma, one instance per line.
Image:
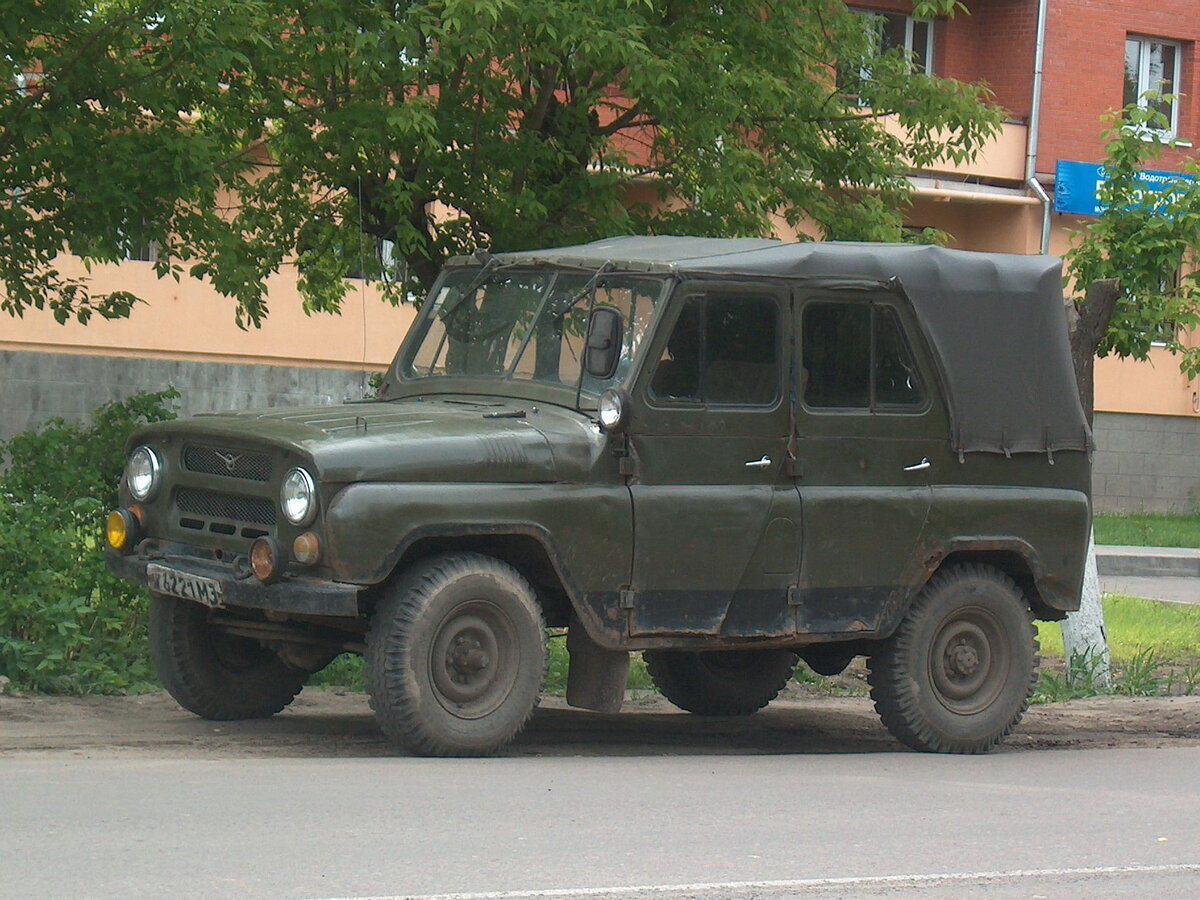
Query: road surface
x=644, y=805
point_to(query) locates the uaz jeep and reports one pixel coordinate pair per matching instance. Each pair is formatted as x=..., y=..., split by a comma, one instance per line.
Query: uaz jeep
x=726, y=454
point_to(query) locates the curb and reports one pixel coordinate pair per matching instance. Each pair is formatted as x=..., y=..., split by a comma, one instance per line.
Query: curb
x=1148, y=562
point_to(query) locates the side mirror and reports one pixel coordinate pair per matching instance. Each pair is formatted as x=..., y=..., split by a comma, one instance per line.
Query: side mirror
x=602, y=350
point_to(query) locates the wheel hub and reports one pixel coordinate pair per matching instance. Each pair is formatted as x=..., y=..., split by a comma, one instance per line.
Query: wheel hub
x=472, y=662
x=466, y=659
x=968, y=661
x=962, y=659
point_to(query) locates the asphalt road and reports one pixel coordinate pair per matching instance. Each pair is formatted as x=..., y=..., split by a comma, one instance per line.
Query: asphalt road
x=1052, y=823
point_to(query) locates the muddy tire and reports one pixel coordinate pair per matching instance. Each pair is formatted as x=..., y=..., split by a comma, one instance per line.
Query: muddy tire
x=957, y=675
x=720, y=682
x=455, y=656
x=213, y=674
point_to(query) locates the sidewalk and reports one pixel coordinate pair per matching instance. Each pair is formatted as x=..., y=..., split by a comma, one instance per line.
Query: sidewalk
x=1157, y=573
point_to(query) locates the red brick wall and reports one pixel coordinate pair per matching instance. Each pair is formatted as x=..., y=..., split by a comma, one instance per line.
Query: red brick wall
x=992, y=42
x=1084, y=66
x=1005, y=49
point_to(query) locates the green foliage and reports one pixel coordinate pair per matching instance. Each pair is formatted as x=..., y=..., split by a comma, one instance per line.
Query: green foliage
x=346, y=671
x=1078, y=679
x=66, y=623
x=441, y=126
x=1143, y=239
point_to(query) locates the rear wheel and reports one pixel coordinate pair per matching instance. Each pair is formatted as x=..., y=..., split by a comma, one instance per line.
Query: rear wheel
x=957, y=675
x=214, y=674
x=720, y=682
x=455, y=656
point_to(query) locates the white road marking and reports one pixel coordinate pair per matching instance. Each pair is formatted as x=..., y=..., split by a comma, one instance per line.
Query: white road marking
x=864, y=881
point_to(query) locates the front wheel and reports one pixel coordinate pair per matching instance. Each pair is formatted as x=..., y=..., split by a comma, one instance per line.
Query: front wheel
x=720, y=682
x=214, y=674
x=455, y=656
x=957, y=675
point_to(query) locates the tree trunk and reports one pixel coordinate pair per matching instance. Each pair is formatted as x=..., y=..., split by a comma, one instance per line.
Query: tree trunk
x=1085, y=642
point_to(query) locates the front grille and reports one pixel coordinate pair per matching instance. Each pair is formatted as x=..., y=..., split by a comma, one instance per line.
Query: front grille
x=225, y=461
x=227, y=508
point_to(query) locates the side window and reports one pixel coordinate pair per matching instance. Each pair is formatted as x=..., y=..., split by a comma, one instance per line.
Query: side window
x=723, y=349
x=855, y=356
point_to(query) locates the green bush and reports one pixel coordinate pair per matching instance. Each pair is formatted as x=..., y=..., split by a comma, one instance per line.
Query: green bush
x=66, y=623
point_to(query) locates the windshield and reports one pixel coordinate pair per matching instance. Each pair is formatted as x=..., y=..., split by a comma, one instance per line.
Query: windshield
x=526, y=324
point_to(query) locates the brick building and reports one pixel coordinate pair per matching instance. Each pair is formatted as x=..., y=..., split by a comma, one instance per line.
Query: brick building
x=1095, y=54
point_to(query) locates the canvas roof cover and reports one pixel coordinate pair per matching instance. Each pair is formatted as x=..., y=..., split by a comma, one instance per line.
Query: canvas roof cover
x=996, y=320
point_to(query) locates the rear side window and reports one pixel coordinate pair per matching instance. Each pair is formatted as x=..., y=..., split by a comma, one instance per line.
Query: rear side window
x=723, y=349
x=855, y=356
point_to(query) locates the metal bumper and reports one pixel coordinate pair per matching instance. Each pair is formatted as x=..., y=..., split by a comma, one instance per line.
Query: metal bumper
x=240, y=588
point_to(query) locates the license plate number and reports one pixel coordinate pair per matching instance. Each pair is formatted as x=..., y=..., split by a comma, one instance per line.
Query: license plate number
x=183, y=585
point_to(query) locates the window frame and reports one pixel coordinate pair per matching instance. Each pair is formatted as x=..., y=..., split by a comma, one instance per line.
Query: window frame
x=873, y=408
x=910, y=25
x=675, y=309
x=1144, y=44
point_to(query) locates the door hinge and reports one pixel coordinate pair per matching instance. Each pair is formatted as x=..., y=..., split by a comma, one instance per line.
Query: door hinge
x=793, y=595
x=627, y=595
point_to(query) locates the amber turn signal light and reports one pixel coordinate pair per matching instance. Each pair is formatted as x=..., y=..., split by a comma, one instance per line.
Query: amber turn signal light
x=266, y=560
x=306, y=549
x=123, y=530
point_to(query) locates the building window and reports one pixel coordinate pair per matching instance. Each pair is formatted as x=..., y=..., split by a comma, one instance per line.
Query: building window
x=138, y=251
x=378, y=260
x=1153, y=65
x=897, y=31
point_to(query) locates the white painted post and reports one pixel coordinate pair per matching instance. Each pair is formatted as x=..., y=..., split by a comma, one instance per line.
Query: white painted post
x=1084, y=637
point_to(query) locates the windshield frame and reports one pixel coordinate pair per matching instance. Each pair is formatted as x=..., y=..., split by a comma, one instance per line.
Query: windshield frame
x=576, y=393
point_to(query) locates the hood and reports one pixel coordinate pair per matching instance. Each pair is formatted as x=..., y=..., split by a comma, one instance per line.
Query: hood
x=415, y=439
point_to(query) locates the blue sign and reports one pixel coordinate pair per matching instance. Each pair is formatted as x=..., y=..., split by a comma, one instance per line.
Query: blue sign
x=1076, y=185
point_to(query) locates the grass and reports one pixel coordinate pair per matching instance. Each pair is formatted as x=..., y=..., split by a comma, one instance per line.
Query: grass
x=1148, y=530
x=1155, y=650
x=1171, y=631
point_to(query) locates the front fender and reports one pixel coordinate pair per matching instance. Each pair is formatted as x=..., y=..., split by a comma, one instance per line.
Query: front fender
x=587, y=530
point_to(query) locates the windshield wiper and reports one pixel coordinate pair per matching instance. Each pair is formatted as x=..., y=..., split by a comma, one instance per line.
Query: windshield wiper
x=562, y=308
x=491, y=265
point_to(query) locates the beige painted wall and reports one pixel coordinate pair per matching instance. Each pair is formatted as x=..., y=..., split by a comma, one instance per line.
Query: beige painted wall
x=190, y=320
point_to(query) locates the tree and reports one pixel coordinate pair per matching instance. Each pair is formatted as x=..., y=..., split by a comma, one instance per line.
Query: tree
x=1132, y=261
x=243, y=135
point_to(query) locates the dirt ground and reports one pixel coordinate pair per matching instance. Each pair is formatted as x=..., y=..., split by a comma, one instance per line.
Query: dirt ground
x=339, y=724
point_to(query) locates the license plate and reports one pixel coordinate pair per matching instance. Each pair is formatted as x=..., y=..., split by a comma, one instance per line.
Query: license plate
x=183, y=585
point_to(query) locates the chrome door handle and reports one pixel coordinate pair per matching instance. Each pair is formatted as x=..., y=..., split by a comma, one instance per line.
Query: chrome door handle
x=759, y=463
x=919, y=467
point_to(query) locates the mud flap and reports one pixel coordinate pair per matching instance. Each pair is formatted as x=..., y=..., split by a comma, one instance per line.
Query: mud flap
x=595, y=677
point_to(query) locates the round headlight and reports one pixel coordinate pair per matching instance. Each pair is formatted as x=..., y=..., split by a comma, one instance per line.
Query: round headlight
x=611, y=410
x=298, y=497
x=142, y=472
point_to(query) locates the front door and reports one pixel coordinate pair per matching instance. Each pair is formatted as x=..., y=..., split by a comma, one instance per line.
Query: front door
x=716, y=515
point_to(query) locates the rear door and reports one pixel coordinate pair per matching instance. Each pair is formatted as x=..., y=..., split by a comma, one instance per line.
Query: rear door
x=872, y=431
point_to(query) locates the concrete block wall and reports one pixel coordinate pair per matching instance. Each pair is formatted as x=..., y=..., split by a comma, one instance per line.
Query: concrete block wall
x=36, y=386
x=1146, y=463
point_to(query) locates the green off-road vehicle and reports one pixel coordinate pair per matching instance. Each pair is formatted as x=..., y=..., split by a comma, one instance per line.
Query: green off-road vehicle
x=725, y=454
